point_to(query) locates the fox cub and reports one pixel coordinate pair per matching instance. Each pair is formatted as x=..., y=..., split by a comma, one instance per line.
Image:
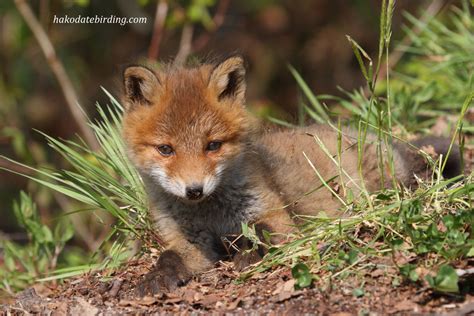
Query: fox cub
x=208, y=167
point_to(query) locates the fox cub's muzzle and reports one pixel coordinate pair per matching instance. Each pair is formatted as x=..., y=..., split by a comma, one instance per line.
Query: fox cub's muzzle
x=194, y=192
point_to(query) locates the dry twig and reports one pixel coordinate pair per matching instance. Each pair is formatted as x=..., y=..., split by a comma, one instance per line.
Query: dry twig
x=58, y=70
x=158, y=29
x=184, y=44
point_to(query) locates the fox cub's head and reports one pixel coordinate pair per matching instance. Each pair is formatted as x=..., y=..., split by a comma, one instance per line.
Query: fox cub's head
x=185, y=126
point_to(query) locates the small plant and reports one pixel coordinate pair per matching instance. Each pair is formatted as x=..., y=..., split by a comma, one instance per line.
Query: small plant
x=446, y=280
x=40, y=255
x=408, y=271
x=302, y=275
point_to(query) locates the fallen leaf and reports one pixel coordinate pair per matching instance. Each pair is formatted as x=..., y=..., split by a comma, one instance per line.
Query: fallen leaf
x=405, y=305
x=144, y=301
x=82, y=307
x=42, y=290
x=189, y=296
x=209, y=300
x=234, y=304
x=58, y=308
x=377, y=273
x=288, y=286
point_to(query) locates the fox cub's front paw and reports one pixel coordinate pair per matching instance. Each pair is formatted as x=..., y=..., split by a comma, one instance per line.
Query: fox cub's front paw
x=167, y=275
x=156, y=282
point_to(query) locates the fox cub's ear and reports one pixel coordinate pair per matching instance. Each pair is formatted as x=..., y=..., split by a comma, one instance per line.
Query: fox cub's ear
x=140, y=84
x=228, y=78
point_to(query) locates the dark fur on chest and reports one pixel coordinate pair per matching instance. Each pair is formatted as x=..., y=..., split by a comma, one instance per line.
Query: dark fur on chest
x=216, y=222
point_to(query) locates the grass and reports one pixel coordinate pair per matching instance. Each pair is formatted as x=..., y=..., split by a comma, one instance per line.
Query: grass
x=435, y=222
x=103, y=182
x=433, y=225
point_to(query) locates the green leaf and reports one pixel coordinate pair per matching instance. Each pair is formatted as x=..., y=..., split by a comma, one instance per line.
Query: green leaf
x=267, y=236
x=358, y=292
x=430, y=280
x=302, y=275
x=359, y=52
x=352, y=256
x=383, y=197
x=408, y=271
x=397, y=243
x=446, y=280
x=245, y=229
x=47, y=235
x=448, y=221
x=9, y=261
x=433, y=230
x=350, y=196
x=63, y=231
x=318, y=107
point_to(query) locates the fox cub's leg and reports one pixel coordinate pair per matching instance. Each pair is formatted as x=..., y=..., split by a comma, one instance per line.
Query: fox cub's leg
x=168, y=273
x=174, y=268
x=273, y=221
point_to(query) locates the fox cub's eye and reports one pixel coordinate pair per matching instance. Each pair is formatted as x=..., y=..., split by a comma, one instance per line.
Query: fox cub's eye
x=213, y=146
x=165, y=150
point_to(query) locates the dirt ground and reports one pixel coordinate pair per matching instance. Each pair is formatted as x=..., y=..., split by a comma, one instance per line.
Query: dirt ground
x=217, y=292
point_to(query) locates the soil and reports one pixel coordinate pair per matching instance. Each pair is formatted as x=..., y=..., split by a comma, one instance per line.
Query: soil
x=218, y=292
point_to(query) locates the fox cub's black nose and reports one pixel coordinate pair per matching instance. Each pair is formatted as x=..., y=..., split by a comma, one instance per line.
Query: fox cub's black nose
x=194, y=192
